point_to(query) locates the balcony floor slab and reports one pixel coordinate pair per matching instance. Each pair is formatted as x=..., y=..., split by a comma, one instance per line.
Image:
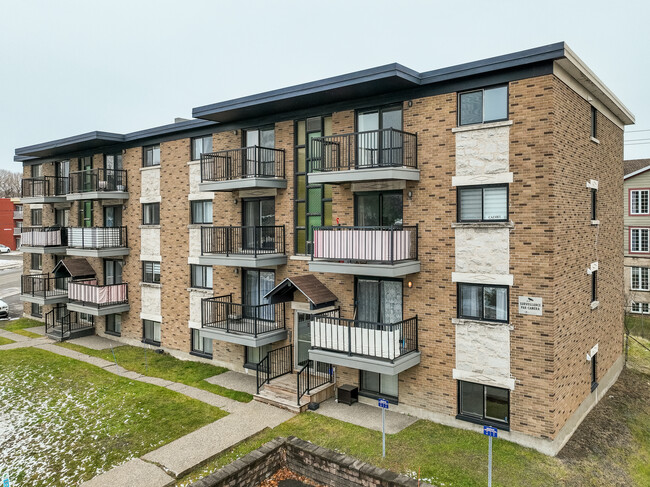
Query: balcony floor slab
x=98, y=195
x=43, y=301
x=95, y=311
x=399, y=269
x=36, y=200
x=107, y=252
x=243, y=183
x=244, y=260
x=243, y=339
x=364, y=175
x=400, y=364
x=43, y=250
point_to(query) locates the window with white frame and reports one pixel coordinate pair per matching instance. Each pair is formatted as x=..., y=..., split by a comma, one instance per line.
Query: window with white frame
x=639, y=238
x=639, y=202
x=640, y=279
x=641, y=308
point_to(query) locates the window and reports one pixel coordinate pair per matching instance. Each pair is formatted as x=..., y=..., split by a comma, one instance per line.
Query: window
x=151, y=331
x=374, y=384
x=37, y=171
x=37, y=310
x=151, y=214
x=201, y=346
x=483, y=302
x=639, y=240
x=151, y=272
x=594, y=369
x=594, y=124
x=37, y=262
x=483, y=203
x=201, y=276
x=641, y=308
x=151, y=156
x=254, y=355
x=113, y=271
x=594, y=286
x=639, y=202
x=37, y=217
x=62, y=217
x=201, y=145
x=483, y=403
x=486, y=105
x=594, y=204
x=114, y=324
x=201, y=212
x=379, y=300
x=640, y=279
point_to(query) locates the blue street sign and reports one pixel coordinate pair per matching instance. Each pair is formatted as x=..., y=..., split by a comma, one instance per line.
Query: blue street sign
x=5, y=482
x=383, y=403
x=490, y=431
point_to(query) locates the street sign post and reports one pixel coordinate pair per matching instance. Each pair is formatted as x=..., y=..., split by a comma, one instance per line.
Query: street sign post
x=383, y=404
x=490, y=432
x=5, y=481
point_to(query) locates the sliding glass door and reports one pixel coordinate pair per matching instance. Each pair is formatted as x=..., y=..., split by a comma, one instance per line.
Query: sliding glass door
x=378, y=209
x=259, y=162
x=379, y=301
x=259, y=212
x=376, y=146
x=256, y=285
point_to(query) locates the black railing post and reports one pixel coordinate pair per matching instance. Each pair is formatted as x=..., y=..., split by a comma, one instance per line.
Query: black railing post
x=417, y=338
x=349, y=339
x=256, y=242
x=416, y=241
x=228, y=237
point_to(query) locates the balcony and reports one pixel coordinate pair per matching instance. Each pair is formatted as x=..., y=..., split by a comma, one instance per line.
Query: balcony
x=387, y=154
x=385, y=348
x=245, y=168
x=44, y=189
x=253, y=247
x=44, y=289
x=97, y=242
x=98, y=184
x=249, y=325
x=18, y=215
x=70, y=325
x=43, y=240
x=87, y=296
x=18, y=231
x=367, y=251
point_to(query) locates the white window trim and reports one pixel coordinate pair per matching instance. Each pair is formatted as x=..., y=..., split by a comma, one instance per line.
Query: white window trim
x=640, y=288
x=640, y=308
x=632, y=191
x=632, y=251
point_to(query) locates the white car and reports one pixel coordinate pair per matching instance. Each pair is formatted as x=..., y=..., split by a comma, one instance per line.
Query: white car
x=4, y=249
x=4, y=309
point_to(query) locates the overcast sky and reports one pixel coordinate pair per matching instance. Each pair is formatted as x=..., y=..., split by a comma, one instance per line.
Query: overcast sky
x=69, y=67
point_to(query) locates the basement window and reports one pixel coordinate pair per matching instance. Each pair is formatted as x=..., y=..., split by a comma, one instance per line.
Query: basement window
x=483, y=404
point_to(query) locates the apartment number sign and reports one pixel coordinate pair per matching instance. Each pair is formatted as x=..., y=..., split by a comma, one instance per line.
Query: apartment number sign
x=529, y=305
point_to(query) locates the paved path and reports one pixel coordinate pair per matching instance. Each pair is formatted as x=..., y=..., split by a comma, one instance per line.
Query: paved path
x=95, y=342
x=39, y=330
x=366, y=416
x=235, y=380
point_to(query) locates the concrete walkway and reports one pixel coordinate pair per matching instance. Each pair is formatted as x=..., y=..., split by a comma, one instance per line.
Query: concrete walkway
x=235, y=380
x=366, y=416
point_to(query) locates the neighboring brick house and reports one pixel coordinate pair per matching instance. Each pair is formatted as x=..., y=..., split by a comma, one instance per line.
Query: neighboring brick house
x=11, y=214
x=428, y=238
x=636, y=211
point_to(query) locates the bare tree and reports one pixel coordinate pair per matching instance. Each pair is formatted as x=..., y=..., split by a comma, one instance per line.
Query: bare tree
x=9, y=184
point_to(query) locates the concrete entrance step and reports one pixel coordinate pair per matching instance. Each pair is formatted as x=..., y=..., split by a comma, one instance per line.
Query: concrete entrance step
x=282, y=393
x=57, y=335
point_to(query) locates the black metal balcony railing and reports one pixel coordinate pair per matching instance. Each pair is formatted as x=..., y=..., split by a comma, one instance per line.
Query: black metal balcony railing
x=243, y=240
x=277, y=362
x=247, y=162
x=311, y=376
x=221, y=313
x=44, y=186
x=89, y=293
x=364, y=150
x=385, y=341
x=43, y=237
x=97, y=237
x=43, y=286
x=385, y=245
x=98, y=180
x=67, y=323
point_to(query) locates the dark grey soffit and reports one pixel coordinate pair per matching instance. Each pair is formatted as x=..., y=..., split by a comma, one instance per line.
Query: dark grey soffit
x=363, y=84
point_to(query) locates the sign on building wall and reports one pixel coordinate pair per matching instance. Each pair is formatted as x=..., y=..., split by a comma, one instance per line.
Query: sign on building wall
x=530, y=306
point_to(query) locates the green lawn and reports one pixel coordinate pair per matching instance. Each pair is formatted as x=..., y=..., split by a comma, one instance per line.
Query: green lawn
x=5, y=341
x=166, y=367
x=611, y=447
x=63, y=421
x=19, y=325
x=638, y=324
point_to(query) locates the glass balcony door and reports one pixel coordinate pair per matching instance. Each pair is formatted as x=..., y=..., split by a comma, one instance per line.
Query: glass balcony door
x=256, y=285
x=259, y=212
x=86, y=165
x=378, y=209
x=379, y=148
x=379, y=301
x=259, y=163
x=303, y=338
x=112, y=216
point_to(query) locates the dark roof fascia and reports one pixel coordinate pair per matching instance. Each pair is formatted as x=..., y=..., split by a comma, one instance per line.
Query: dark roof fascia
x=173, y=128
x=76, y=142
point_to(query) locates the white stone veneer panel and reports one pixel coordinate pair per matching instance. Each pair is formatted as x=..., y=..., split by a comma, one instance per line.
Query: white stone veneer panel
x=150, y=182
x=483, y=151
x=483, y=250
x=195, y=304
x=150, y=300
x=195, y=242
x=483, y=353
x=150, y=241
x=195, y=179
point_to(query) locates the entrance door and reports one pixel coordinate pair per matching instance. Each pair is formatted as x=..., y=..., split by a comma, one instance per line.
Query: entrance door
x=382, y=148
x=259, y=212
x=378, y=209
x=303, y=338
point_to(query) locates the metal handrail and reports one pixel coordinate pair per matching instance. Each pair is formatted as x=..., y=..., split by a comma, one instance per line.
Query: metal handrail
x=221, y=313
x=244, y=162
x=54, y=236
x=278, y=362
x=44, y=186
x=243, y=240
x=43, y=285
x=87, y=293
x=98, y=179
x=311, y=376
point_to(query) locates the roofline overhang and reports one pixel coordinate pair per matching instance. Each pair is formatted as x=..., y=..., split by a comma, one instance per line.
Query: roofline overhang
x=637, y=172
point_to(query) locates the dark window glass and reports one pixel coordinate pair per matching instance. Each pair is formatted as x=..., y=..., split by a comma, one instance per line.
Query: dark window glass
x=201, y=276
x=37, y=262
x=37, y=217
x=201, y=145
x=202, y=212
x=594, y=286
x=485, y=105
x=255, y=354
x=114, y=324
x=37, y=170
x=486, y=403
x=594, y=123
x=594, y=204
x=201, y=345
x=487, y=203
x=481, y=302
x=594, y=368
x=37, y=310
x=151, y=214
x=375, y=384
x=151, y=272
x=151, y=331
x=151, y=156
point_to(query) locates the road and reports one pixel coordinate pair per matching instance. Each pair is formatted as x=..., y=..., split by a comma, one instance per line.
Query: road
x=10, y=284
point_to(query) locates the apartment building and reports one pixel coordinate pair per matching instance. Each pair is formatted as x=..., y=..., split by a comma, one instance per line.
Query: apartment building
x=636, y=218
x=447, y=240
x=11, y=220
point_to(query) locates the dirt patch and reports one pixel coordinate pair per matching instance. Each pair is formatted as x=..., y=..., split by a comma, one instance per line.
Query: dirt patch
x=283, y=478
